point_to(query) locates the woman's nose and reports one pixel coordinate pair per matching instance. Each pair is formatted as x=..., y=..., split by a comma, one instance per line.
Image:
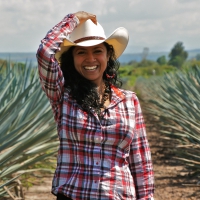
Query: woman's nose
x=90, y=57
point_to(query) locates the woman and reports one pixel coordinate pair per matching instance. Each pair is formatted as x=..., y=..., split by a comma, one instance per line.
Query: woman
x=103, y=152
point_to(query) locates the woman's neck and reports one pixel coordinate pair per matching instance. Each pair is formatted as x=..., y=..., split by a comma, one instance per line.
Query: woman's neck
x=101, y=88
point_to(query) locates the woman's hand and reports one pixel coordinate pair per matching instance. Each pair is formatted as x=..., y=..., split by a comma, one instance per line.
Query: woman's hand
x=83, y=16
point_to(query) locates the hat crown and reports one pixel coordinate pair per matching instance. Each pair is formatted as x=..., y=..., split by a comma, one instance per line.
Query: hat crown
x=89, y=34
x=87, y=29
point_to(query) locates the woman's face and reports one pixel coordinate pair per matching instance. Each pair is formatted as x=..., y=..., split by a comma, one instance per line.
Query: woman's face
x=91, y=62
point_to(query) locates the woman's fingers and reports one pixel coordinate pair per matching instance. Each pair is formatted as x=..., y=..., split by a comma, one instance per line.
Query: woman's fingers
x=83, y=16
x=92, y=17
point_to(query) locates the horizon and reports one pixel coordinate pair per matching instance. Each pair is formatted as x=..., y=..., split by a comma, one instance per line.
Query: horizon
x=124, y=58
x=189, y=50
x=195, y=49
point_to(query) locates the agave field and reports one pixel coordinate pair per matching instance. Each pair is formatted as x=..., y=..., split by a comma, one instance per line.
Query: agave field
x=173, y=103
x=28, y=133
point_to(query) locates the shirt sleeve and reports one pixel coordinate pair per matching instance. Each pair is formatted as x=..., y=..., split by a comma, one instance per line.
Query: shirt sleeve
x=50, y=74
x=140, y=158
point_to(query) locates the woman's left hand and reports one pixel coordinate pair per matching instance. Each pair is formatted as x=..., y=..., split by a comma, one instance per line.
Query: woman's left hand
x=83, y=16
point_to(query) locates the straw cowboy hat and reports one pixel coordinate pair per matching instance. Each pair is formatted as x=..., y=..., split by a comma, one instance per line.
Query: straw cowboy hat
x=90, y=34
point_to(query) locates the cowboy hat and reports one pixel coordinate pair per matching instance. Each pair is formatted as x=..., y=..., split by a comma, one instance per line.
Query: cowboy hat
x=90, y=34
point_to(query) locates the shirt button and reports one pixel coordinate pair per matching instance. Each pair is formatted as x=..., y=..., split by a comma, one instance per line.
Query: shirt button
x=98, y=139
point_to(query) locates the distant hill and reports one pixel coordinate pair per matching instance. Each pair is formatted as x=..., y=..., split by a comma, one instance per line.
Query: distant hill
x=19, y=57
x=125, y=58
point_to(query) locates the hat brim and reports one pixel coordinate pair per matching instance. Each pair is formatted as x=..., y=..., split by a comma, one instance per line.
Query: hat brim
x=118, y=39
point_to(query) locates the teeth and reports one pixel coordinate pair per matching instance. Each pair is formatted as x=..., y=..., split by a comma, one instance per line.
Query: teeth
x=90, y=67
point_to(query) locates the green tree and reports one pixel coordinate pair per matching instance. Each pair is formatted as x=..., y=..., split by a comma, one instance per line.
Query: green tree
x=178, y=55
x=162, y=60
x=198, y=56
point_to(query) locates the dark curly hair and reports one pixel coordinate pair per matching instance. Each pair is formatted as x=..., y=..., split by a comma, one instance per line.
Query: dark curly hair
x=83, y=90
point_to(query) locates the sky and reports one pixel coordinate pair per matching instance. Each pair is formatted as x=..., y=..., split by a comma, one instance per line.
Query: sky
x=154, y=24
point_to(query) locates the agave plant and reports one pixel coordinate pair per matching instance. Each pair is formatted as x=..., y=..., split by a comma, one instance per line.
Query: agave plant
x=28, y=132
x=174, y=100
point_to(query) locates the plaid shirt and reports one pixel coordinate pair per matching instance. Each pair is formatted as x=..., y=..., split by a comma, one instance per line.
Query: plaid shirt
x=97, y=159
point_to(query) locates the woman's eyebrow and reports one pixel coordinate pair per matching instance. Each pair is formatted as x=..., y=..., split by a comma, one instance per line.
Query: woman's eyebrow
x=85, y=49
x=80, y=48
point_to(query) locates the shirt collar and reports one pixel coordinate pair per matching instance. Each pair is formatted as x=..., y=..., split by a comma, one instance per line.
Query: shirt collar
x=117, y=95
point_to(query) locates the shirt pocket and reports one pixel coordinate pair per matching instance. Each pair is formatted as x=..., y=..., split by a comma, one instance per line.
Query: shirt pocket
x=72, y=119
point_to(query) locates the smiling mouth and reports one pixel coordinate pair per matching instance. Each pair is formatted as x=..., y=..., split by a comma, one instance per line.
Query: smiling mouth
x=90, y=68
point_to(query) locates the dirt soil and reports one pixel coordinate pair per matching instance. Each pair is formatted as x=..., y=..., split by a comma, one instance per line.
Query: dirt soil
x=172, y=180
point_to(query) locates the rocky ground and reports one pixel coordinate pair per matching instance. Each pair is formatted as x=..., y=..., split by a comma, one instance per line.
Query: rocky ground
x=172, y=180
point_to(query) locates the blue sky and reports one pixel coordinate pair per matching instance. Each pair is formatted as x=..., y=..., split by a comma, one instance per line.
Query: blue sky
x=156, y=24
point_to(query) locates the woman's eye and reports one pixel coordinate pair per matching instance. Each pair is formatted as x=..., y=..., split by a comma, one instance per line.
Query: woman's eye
x=98, y=51
x=80, y=52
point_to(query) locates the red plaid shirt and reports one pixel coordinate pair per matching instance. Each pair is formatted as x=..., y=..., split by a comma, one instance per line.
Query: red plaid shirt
x=97, y=159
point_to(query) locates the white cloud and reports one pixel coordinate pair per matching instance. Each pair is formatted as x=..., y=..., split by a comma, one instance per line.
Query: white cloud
x=151, y=23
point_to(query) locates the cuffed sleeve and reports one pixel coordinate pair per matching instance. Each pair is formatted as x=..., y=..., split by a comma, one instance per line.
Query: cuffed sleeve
x=50, y=74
